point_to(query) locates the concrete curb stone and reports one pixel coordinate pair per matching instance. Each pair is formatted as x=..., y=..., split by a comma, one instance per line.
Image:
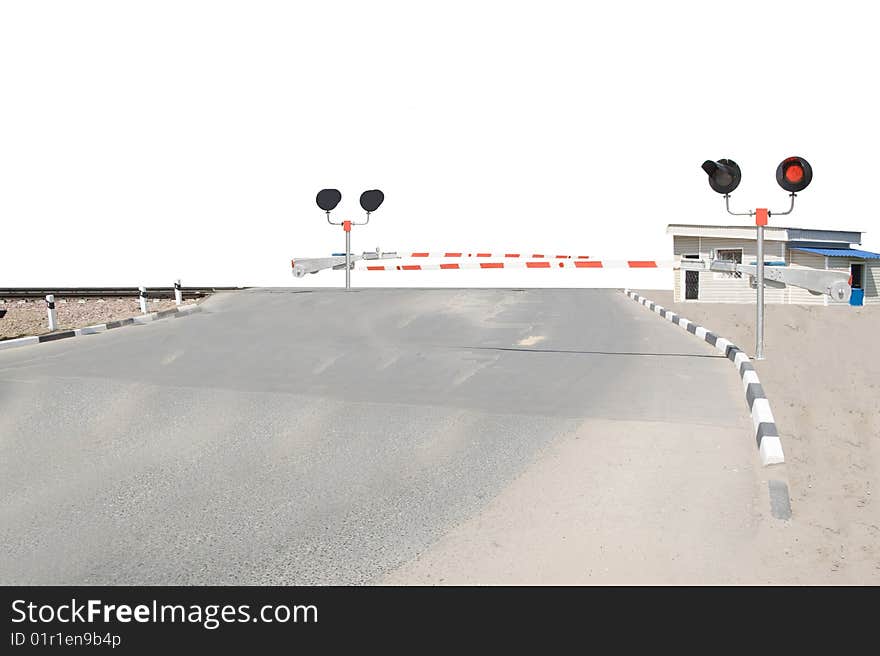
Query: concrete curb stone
x=99, y=328
x=766, y=433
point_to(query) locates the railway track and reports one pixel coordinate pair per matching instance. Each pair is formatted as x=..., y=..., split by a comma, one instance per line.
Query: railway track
x=98, y=292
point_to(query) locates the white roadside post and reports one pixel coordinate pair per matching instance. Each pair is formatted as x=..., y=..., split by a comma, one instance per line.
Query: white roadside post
x=50, y=309
x=178, y=293
x=143, y=299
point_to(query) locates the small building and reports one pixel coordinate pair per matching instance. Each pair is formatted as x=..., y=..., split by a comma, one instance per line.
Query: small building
x=794, y=247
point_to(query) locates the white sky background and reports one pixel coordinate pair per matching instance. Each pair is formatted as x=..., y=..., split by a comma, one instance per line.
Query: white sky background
x=144, y=141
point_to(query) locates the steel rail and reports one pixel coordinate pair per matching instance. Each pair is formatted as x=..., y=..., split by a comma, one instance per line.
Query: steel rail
x=104, y=292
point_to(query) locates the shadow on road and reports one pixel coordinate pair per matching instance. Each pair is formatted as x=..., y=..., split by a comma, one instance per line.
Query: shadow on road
x=576, y=352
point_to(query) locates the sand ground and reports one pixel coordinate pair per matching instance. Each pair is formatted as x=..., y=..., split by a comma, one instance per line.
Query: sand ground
x=821, y=373
x=822, y=376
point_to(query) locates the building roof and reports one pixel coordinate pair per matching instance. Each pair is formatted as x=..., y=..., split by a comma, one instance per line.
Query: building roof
x=771, y=233
x=840, y=252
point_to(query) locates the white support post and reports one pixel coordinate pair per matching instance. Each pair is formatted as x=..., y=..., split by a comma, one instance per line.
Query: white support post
x=50, y=309
x=143, y=299
x=178, y=293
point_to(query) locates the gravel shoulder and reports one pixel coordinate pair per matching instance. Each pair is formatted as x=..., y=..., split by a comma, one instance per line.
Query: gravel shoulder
x=25, y=317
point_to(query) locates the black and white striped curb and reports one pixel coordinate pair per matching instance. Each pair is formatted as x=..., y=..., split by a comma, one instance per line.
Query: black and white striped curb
x=101, y=327
x=766, y=434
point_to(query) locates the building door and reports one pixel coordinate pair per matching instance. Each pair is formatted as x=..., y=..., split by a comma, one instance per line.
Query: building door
x=691, y=285
x=857, y=274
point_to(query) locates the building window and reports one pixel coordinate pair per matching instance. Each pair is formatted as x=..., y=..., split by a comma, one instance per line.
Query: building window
x=730, y=255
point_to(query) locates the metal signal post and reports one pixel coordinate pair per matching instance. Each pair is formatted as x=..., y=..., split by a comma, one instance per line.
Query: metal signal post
x=346, y=225
x=328, y=199
x=793, y=174
x=761, y=217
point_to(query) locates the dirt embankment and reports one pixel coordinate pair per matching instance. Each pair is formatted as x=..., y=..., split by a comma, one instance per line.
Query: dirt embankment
x=821, y=373
x=29, y=316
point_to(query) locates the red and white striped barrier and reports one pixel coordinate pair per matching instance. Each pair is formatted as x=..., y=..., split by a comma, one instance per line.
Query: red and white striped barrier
x=525, y=264
x=463, y=254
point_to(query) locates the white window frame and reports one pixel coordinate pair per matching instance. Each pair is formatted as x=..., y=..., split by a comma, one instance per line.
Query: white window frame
x=724, y=275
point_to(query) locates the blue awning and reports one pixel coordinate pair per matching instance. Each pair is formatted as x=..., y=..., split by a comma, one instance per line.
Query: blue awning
x=840, y=252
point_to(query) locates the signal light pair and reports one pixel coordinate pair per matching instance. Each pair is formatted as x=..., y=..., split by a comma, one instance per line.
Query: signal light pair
x=793, y=174
x=328, y=199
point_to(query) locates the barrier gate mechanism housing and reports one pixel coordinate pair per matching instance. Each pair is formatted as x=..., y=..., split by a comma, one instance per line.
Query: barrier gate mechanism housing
x=303, y=265
x=834, y=284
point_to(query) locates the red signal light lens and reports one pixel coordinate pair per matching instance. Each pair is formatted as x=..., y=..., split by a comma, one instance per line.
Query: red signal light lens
x=794, y=173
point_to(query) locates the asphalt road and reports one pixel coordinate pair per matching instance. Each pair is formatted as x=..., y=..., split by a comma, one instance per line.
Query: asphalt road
x=320, y=437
